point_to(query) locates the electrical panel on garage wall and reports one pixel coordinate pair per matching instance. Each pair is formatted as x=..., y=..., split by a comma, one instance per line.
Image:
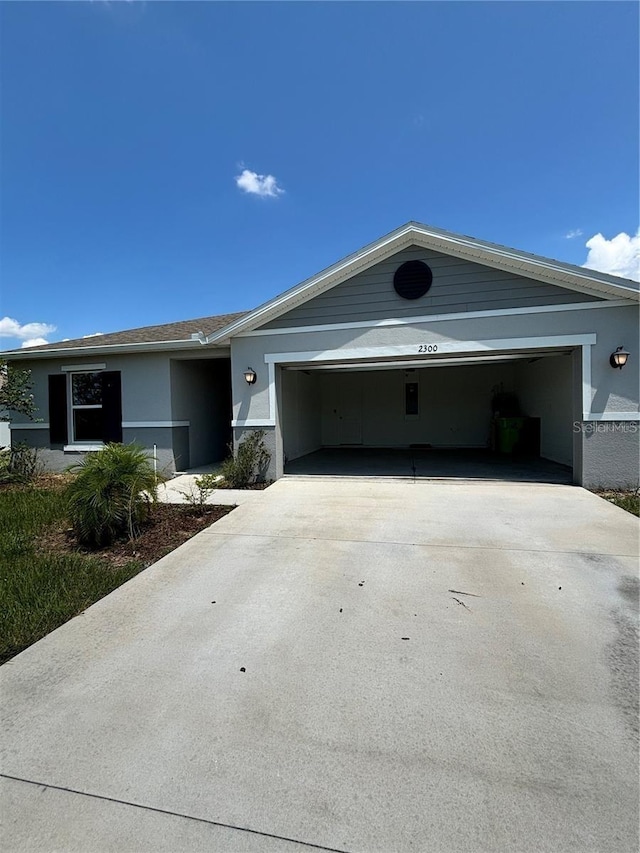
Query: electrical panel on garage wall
x=411, y=396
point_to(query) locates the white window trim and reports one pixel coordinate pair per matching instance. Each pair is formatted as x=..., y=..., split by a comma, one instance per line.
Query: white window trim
x=78, y=444
x=82, y=368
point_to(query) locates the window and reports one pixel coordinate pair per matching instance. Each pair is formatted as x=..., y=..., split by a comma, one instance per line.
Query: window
x=85, y=407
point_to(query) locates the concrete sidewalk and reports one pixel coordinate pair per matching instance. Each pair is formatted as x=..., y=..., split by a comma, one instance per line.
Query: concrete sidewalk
x=178, y=490
x=345, y=665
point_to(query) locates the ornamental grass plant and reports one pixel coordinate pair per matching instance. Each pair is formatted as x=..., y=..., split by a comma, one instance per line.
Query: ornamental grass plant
x=111, y=495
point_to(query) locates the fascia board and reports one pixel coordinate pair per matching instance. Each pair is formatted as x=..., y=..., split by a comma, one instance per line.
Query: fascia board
x=112, y=349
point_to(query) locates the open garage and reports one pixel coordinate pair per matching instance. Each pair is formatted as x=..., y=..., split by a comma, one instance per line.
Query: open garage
x=502, y=416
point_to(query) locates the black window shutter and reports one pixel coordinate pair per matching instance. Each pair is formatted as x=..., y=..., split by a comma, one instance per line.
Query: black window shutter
x=57, y=409
x=111, y=407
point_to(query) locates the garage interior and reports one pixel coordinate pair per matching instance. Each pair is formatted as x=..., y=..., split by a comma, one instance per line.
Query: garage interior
x=491, y=416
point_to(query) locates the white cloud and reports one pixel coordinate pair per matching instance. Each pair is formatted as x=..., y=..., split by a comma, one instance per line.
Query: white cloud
x=575, y=232
x=10, y=328
x=33, y=342
x=263, y=185
x=93, y=335
x=618, y=256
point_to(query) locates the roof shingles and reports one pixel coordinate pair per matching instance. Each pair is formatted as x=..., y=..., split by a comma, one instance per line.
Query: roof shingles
x=180, y=331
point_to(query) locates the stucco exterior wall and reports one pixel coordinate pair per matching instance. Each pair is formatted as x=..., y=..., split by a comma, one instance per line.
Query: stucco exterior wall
x=610, y=453
x=171, y=447
x=276, y=463
x=145, y=383
x=200, y=394
x=147, y=395
x=611, y=390
x=608, y=392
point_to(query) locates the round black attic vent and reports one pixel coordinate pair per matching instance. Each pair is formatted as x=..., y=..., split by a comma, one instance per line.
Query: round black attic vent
x=412, y=279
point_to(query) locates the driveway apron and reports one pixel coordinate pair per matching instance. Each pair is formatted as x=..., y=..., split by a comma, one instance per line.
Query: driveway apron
x=351, y=665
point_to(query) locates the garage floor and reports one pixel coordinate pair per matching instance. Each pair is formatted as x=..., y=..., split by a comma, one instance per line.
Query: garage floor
x=458, y=464
x=345, y=665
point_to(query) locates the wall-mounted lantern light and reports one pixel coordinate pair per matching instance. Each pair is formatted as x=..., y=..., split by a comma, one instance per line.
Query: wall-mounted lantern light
x=619, y=358
x=250, y=376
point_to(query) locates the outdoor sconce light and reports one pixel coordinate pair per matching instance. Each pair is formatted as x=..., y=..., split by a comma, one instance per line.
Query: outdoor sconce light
x=250, y=376
x=619, y=358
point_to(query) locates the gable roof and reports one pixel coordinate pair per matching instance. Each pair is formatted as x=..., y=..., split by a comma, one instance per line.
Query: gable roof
x=467, y=248
x=219, y=329
x=183, y=332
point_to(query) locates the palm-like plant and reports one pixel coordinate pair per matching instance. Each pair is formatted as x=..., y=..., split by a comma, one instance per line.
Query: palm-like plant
x=112, y=494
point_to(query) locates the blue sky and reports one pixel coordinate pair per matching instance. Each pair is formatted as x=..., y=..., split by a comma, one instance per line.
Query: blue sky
x=126, y=126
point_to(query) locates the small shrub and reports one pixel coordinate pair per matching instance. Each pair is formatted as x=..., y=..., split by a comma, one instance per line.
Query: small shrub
x=111, y=495
x=248, y=464
x=19, y=464
x=201, y=491
x=5, y=456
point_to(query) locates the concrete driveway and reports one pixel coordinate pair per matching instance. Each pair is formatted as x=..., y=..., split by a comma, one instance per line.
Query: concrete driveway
x=345, y=665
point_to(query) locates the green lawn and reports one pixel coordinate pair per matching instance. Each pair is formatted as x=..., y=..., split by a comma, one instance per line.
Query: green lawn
x=41, y=590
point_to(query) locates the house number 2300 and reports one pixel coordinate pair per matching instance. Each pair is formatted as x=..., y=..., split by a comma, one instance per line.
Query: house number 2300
x=428, y=348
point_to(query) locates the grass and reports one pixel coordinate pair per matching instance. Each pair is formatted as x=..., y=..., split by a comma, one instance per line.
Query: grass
x=40, y=590
x=630, y=501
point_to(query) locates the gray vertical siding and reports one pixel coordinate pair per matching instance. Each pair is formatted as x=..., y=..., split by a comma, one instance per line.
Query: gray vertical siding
x=457, y=286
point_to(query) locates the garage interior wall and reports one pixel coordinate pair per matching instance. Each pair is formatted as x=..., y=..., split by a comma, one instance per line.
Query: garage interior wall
x=454, y=405
x=545, y=391
x=301, y=413
x=368, y=407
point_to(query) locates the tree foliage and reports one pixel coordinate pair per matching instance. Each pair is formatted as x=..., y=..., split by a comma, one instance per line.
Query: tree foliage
x=16, y=385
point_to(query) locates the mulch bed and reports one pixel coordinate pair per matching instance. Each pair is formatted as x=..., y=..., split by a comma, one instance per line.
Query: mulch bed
x=168, y=526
